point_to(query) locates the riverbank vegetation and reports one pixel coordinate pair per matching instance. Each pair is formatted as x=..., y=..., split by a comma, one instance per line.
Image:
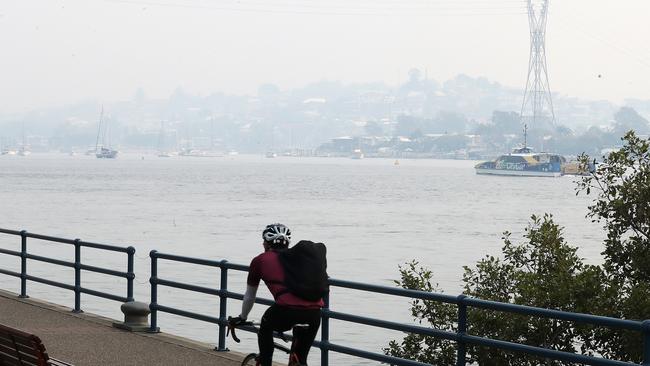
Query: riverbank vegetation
x=543, y=270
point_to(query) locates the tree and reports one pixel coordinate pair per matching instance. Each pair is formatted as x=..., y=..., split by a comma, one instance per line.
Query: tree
x=373, y=128
x=448, y=122
x=406, y=125
x=622, y=184
x=437, y=315
x=627, y=119
x=507, y=122
x=542, y=271
x=451, y=142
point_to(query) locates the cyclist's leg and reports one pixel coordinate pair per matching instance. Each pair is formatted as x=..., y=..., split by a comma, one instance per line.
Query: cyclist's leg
x=274, y=319
x=306, y=338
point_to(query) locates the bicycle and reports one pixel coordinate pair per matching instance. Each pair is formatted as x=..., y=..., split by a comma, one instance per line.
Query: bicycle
x=252, y=358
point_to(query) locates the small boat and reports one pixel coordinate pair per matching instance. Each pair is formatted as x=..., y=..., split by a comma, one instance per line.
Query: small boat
x=164, y=152
x=196, y=153
x=577, y=168
x=106, y=153
x=357, y=154
x=271, y=154
x=24, y=148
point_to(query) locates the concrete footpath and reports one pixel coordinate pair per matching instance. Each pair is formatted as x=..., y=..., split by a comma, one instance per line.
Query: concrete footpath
x=87, y=339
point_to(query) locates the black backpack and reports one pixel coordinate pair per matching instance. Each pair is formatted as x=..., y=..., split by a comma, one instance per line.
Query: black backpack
x=305, y=270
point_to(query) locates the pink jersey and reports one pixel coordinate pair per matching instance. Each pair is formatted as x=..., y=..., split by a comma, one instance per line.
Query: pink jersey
x=267, y=267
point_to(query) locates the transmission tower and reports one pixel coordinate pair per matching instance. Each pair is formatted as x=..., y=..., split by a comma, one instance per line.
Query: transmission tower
x=537, y=107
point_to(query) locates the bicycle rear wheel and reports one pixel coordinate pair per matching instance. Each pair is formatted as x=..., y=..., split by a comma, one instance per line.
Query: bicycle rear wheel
x=250, y=360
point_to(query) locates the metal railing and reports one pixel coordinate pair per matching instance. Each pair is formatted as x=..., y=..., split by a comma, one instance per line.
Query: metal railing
x=461, y=337
x=77, y=265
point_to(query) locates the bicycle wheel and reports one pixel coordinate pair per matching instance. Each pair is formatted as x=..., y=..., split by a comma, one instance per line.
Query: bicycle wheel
x=250, y=360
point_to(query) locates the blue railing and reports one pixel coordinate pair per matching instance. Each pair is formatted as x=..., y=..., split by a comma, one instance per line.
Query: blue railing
x=77, y=265
x=461, y=337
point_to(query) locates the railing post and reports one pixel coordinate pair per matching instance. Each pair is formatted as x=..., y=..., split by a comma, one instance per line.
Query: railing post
x=461, y=331
x=646, y=342
x=23, y=264
x=154, y=292
x=77, y=276
x=130, y=274
x=223, y=302
x=325, y=332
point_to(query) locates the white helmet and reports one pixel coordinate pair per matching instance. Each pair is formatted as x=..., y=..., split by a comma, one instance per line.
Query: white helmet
x=277, y=235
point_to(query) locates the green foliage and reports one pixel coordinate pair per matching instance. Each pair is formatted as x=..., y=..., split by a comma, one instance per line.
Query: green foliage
x=622, y=205
x=541, y=271
x=622, y=183
x=434, y=314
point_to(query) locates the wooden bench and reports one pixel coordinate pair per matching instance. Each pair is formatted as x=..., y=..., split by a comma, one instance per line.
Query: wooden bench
x=18, y=348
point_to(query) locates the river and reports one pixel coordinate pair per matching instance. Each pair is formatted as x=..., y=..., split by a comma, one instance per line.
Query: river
x=373, y=215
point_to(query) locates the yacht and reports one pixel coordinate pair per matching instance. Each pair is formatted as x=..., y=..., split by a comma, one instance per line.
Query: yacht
x=24, y=151
x=103, y=150
x=106, y=153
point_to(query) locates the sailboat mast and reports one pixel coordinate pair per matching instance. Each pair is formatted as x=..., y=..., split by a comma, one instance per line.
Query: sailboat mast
x=23, y=147
x=99, y=127
x=161, y=137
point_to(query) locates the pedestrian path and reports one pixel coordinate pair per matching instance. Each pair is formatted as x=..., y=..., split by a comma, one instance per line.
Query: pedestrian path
x=87, y=339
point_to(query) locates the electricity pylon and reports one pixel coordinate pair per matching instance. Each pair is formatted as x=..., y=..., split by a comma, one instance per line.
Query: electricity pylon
x=537, y=106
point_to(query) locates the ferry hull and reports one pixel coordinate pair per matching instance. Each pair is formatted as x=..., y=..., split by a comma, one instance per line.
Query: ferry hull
x=517, y=173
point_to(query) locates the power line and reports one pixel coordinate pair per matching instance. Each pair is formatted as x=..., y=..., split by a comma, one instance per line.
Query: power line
x=572, y=24
x=325, y=11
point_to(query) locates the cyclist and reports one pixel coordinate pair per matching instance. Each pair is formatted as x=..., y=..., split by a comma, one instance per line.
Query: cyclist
x=288, y=309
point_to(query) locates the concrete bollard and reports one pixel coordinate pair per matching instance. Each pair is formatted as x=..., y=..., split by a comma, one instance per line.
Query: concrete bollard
x=136, y=317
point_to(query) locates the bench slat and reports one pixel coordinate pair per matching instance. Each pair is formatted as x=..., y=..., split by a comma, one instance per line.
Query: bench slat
x=19, y=338
x=27, y=359
x=24, y=348
x=55, y=362
x=9, y=361
x=13, y=331
x=19, y=348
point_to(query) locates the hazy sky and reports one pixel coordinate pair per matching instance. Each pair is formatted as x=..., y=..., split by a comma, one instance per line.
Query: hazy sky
x=55, y=52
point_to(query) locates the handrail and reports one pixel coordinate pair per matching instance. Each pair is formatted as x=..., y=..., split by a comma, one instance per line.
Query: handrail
x=461, y=337
x=24, y=276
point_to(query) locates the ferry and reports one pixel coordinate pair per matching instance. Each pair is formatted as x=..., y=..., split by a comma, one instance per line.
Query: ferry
x=524, y=162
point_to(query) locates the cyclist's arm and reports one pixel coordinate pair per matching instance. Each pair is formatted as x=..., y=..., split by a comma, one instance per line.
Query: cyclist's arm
x=249, y=301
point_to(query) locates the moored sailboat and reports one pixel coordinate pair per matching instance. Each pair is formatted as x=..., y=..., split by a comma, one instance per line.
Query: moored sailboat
x=103, y=150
